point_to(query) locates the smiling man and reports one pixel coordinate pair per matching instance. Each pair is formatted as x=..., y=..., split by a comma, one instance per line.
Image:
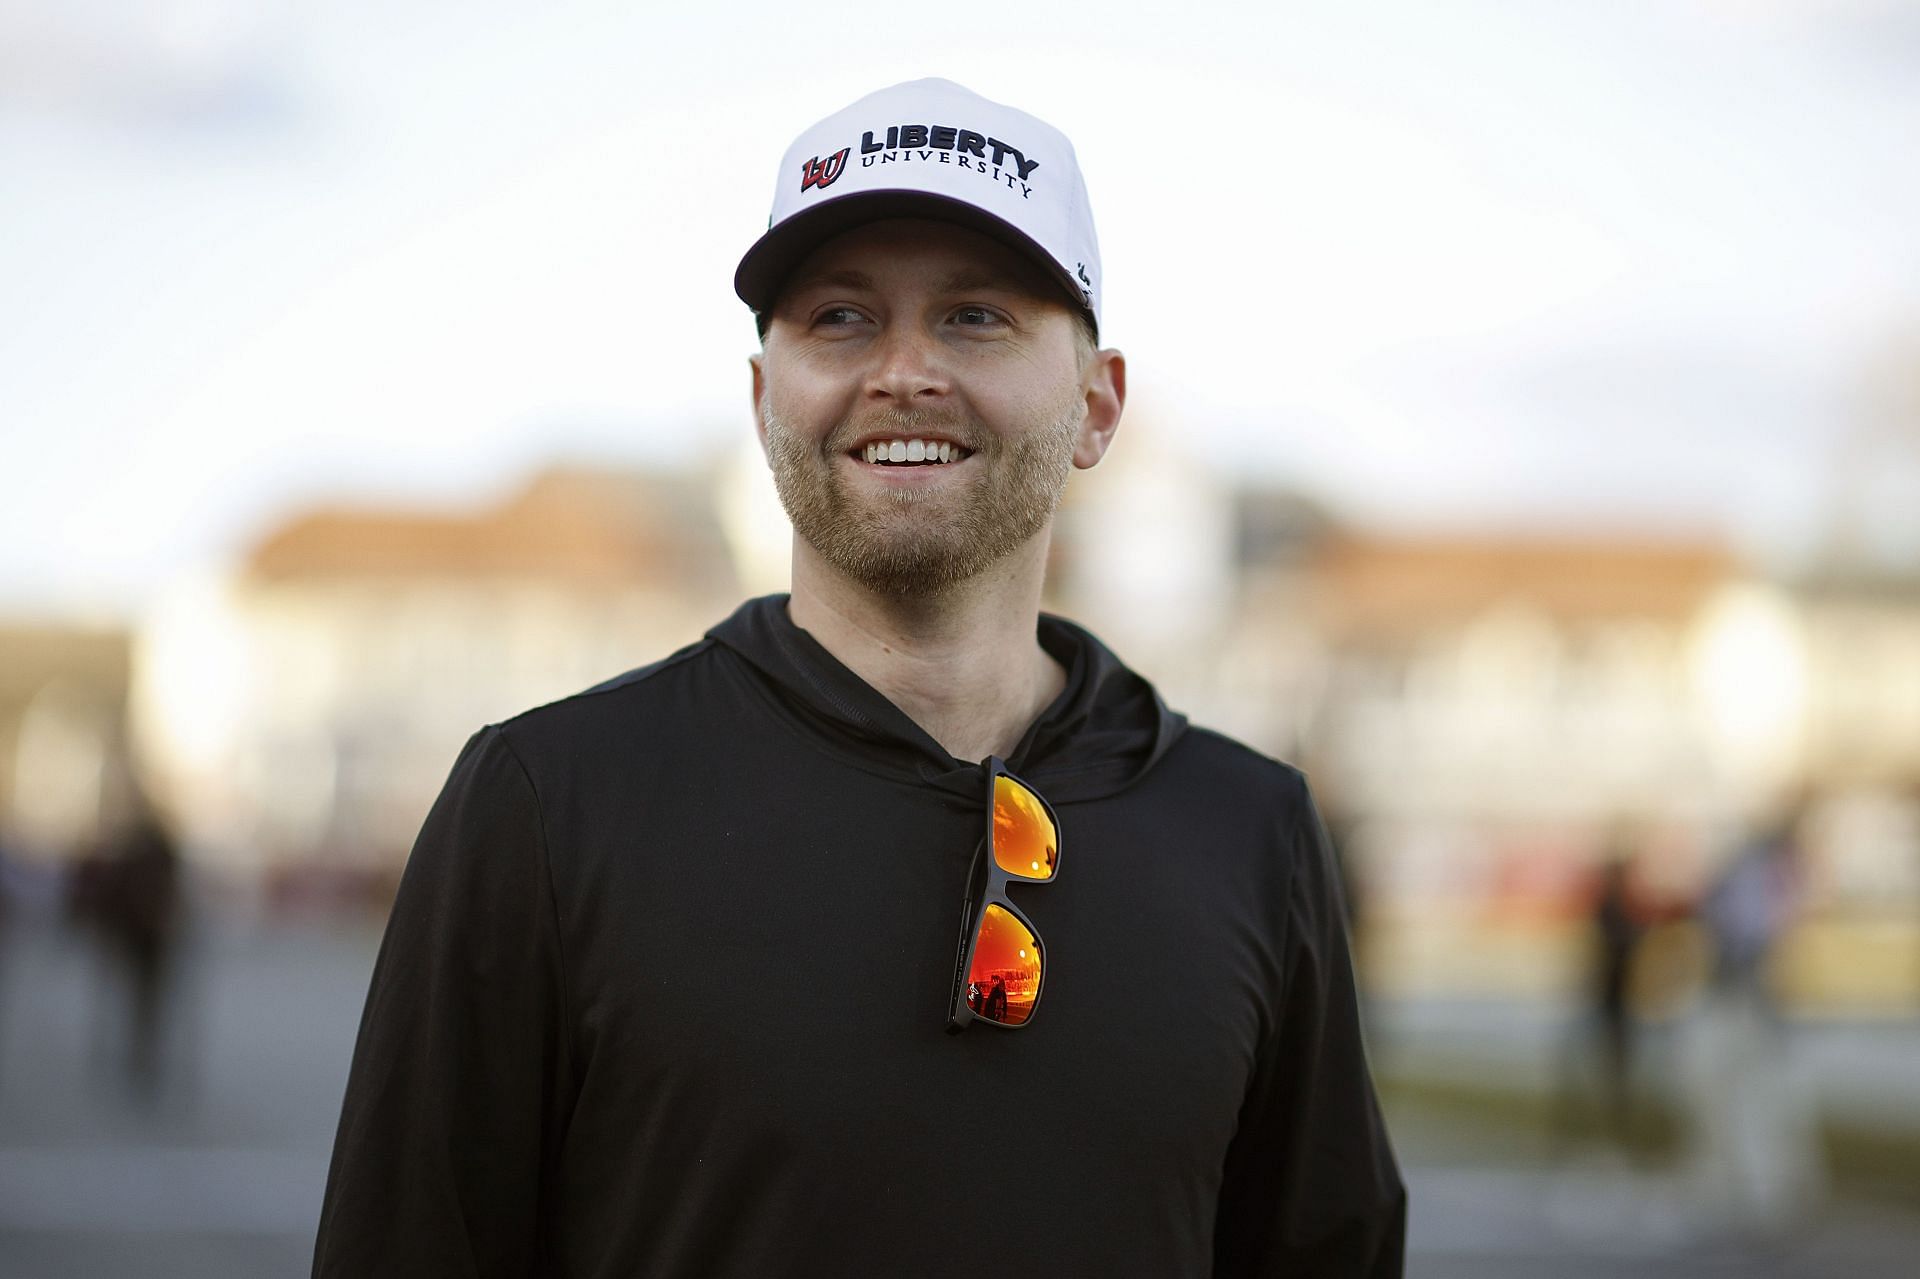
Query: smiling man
x=896, y=927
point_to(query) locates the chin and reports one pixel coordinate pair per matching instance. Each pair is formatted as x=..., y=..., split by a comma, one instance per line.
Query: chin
x=927, y=569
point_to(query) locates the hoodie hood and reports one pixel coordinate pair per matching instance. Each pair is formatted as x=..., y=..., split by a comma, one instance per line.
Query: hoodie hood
x=1106, y=728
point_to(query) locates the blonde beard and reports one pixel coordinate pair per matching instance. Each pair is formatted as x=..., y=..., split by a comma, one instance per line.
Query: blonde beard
x=889, y=543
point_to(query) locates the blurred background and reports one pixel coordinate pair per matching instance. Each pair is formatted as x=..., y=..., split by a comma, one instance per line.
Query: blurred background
x=1525, y=440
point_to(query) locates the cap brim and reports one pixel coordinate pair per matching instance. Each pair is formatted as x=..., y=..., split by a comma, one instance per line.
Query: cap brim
x=774, y=256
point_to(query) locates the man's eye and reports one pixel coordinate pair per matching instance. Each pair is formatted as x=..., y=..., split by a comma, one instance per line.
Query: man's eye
x=976, y=315
x=838, y=316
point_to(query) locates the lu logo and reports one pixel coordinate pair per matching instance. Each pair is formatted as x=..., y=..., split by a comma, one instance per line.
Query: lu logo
x=823, y=173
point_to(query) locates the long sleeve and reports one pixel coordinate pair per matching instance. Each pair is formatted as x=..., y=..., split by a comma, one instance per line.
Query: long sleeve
x=1310, y=1185
x=455, y=1101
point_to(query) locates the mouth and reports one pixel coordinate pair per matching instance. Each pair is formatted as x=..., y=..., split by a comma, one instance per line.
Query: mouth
x=909, y=452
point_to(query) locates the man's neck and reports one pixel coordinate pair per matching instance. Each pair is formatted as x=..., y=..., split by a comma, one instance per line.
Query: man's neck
x=966, y=665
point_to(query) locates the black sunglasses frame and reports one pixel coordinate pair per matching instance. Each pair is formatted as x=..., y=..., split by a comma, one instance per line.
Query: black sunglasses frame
x=991, y=890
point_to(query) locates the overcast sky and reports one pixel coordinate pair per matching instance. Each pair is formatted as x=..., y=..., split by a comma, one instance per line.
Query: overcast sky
x=1620, y=266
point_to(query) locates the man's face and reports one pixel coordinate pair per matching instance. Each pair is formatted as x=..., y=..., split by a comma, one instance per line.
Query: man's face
x=931, y=339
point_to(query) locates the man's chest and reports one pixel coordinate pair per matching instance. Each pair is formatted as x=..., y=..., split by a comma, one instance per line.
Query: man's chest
x=778, y=975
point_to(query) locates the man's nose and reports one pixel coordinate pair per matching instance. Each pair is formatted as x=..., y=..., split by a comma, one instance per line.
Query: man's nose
x=909, y=367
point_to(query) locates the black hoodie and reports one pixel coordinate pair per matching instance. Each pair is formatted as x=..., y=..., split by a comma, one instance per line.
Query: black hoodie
x=664, y=993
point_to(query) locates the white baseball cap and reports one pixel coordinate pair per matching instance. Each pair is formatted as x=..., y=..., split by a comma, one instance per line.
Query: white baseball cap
x=930, y=149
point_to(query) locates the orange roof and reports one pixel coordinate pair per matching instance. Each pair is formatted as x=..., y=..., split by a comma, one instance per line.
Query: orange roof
x=575, y=524
x=1379, y=582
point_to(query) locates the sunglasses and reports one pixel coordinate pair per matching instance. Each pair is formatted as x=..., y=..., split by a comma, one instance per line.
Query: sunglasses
x=1002, y=962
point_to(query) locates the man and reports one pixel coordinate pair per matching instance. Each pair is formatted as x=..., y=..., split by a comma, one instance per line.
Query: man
x=675, y=983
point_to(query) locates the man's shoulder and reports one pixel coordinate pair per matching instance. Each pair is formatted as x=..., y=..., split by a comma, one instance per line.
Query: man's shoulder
x=1239, y=780
x=641, y=693
x=1237, y=772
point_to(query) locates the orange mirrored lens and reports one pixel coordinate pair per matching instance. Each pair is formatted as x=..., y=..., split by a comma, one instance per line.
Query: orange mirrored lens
x=1024, y=841
x=1004, y=979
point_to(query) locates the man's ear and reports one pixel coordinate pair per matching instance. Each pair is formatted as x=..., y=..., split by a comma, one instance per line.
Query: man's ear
x=759, y=394
x=1104, y=388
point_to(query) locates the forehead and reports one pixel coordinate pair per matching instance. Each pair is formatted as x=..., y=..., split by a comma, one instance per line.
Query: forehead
x=921, y=251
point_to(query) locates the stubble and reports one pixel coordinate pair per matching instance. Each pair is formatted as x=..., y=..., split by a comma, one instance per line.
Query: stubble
x=913, y=542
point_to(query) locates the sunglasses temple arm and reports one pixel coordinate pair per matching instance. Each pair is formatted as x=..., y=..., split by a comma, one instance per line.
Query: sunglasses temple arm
x=955, y=996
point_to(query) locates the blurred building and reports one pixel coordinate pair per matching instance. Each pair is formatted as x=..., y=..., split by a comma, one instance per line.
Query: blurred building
x=63, y=698
x=309, y=706
x=1487, y=717
x=1861, y=770
x=1863, y=678
x=1509, y=681
x=1491, y=713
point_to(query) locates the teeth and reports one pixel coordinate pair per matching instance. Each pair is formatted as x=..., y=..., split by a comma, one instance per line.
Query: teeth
x=913, y=451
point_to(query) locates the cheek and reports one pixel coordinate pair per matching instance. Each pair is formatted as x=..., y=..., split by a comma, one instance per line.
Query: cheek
x=1025, y=403
x=803, y=400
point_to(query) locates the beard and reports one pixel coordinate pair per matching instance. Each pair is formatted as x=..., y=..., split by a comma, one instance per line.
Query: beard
x=922, y=543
